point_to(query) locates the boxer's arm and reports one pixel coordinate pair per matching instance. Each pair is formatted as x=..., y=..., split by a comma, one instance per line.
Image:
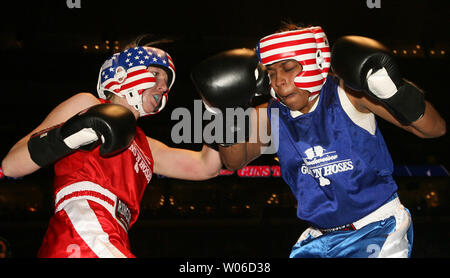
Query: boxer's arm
x=236, y=156
x=184, y=164
x=230, y=79
x=430, y=125
x=18, y=162
x=367, y=66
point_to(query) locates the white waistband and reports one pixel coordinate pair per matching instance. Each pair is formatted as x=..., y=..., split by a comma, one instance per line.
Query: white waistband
x=385, y=211
x=381, y=213
x=87, y=190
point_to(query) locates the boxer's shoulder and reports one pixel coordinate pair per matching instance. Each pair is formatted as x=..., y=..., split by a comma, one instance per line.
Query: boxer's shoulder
x=83, y=99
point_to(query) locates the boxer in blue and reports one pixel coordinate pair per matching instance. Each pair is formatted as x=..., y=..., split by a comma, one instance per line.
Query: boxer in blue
x=331, y=152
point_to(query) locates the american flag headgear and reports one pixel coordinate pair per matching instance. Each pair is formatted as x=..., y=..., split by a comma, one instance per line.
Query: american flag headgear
x=125, y=74
x=307, y=46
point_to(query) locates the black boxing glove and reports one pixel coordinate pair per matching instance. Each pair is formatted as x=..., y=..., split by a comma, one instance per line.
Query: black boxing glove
x=230, y=80
x=111, y=125
x=262, y=81
x=366, y=65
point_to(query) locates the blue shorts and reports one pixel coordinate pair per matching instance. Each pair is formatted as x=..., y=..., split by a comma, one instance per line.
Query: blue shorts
x=391, y=237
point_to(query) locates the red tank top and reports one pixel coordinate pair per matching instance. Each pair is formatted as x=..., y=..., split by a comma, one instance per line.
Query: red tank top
x=126, y=174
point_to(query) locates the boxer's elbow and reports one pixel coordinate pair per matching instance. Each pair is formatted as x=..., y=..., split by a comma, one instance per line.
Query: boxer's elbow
x=440, y=131
x=8, y=169
x=444, y=130
x=430, y=125
x=17, y=164
x=437, y=129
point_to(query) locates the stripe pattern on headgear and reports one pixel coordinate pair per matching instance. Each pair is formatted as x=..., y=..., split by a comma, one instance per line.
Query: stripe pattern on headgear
x=307, y=46
x=125, y=74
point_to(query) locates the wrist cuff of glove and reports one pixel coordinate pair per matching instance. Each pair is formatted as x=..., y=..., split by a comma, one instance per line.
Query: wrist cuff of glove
x=46, y=146
x=228, y=144
x=215, y=146
x=408, y=104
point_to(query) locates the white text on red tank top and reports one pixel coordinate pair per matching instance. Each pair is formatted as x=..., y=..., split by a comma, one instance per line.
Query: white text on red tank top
x=142, y=161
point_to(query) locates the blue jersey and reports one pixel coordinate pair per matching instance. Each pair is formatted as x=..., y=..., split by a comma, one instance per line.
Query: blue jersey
x=338, y=171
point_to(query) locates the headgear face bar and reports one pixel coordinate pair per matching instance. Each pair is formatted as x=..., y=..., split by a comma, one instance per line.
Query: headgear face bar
x=308, y=46
x=125, y=74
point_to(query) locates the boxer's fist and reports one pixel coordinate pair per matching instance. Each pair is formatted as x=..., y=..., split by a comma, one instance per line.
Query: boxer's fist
x=231, y=79
x=227, y=81
x=366, y=65
x=111, y=125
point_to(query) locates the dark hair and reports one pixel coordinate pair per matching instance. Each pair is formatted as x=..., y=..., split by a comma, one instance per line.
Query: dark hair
x=289, y=25
x=146, y=40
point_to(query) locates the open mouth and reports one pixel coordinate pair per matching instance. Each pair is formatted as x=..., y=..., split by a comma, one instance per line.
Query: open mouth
x=158, y=102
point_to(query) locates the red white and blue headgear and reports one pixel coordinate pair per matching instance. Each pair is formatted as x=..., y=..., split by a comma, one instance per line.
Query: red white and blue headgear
x=307, y=46
x=125, y=74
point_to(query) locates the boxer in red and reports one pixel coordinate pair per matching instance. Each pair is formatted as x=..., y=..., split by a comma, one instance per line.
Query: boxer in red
x=103, y=161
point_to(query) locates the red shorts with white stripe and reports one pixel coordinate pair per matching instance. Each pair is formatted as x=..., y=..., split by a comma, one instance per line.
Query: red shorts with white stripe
x=85, y=229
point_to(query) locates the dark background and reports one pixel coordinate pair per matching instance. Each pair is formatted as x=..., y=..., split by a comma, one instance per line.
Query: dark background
x=43, y=62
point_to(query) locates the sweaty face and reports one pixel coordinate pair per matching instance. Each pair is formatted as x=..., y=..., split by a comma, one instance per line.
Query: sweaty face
x=282, y=75
x=151, y=97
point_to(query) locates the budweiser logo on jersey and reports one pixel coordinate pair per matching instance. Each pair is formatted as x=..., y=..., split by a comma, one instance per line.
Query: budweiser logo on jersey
x=320, y=164
x=307, y=46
